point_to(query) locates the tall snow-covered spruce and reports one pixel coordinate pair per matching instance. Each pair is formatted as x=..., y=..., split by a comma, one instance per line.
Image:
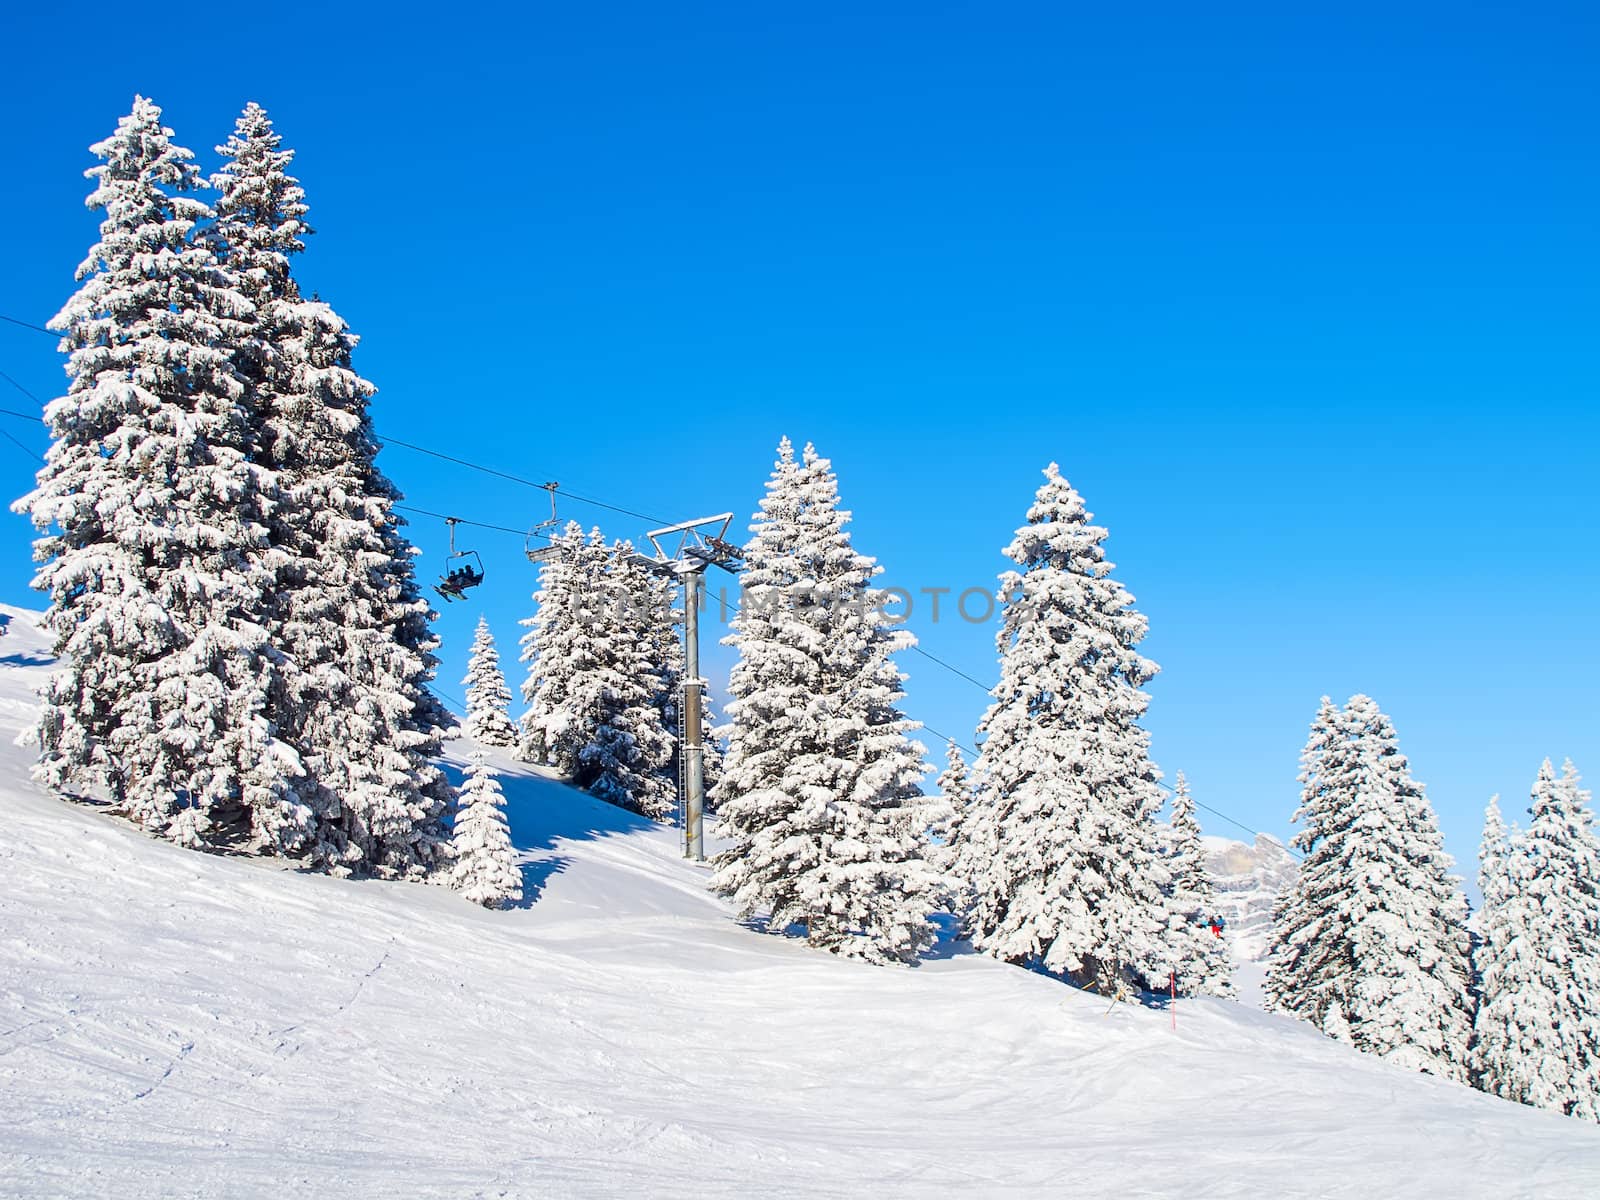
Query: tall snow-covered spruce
x=1306, y=965
x=819, y=793
x=1070, y=875
x=1201, y=964
x=158, y=568
x=346, y=615
x=484, y=862
x=488, y=697
x=1538, y=1024
x=1370, y=943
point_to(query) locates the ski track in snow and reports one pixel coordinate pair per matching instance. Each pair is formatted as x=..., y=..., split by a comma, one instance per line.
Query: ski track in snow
x=177, y=1025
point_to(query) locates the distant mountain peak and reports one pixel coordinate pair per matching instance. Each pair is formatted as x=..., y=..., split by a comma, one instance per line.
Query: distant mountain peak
x=1247, y=879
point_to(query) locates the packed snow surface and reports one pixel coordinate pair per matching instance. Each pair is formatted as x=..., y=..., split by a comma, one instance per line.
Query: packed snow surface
x=173, y=1024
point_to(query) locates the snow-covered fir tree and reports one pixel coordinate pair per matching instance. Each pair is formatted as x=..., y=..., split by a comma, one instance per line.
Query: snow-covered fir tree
x=658, y=622
x=634, y=750
x=662, y=619
x=1201, y=962
x=484, y=864
x=347, y=617
x=819, y=793
x=954, y=786
x=1499, y=956
x=488, y=697
x=157, y=566
x=549, y=650
x=1305, y=972
x=1538, y=1025
x=944, y=817
x=1370, y=943
x=1068, y=871
x=969, y=846
x=591, y=690
x=260, y=223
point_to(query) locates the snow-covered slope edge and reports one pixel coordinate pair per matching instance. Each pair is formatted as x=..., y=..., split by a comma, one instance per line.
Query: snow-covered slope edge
x=178, y=1025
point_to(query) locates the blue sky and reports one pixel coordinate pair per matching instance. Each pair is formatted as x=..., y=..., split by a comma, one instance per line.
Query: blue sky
x=1305, y=305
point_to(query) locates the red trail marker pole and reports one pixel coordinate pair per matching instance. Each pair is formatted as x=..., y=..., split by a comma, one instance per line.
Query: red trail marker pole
x=1172, y=980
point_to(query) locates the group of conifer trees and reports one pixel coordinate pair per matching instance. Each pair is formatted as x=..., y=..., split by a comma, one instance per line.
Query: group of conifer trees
x=245, y=659
x=1048, y=848
x=244, y=655
x=1371, y=943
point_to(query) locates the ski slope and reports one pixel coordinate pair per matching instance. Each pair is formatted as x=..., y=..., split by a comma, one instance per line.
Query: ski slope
x=174, y=1025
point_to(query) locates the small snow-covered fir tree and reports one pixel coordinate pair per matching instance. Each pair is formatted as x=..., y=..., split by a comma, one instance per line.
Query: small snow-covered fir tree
x=347, y=616
x=488, y=697
x=1069, y=873
x=1200, y=957
x=484, y=864
x=1499, y=958
x=955, y=791
x=156, y=564
x=1370, y=943
x=945, y=816
x=969, y=847
x=819, y=793
x=1538, y=1025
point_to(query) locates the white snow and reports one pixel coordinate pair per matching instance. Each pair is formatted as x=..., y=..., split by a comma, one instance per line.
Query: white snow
x=174, y=1024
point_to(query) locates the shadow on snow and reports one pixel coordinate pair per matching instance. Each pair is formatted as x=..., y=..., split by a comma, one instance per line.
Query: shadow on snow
x=543, y=813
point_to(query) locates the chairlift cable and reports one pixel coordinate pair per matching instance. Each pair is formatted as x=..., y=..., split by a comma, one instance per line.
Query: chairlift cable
x=28, y=394
x=554, y=489
x=978, y=683
x=543, y=487
x=28, y=325
x=423, y=512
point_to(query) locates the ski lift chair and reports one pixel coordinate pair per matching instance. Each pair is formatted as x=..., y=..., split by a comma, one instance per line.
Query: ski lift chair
x=453, y=584
x=544, y=529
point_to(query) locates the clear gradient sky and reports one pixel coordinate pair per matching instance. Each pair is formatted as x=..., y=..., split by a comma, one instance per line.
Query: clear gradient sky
x=1305, y=304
